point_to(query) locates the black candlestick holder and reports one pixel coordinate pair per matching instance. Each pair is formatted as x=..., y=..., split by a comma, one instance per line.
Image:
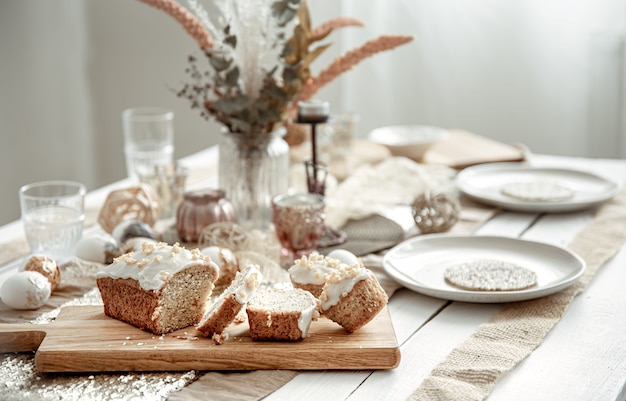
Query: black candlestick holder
x=316, y=112
x=316, y=174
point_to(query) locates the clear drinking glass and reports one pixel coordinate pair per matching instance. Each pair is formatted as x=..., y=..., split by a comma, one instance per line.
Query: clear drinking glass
x=299, y=224
x=148, y=139
x=53, y=215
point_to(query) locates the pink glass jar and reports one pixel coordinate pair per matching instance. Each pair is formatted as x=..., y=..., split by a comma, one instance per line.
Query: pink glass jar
x=199, y=209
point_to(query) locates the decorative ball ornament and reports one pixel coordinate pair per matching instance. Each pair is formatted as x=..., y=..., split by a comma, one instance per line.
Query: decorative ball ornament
x=224, y=234
x=138, y=203
x=436, y=213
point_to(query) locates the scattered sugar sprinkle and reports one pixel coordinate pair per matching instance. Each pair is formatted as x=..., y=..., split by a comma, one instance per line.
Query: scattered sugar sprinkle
x=147, y=248
x=21, y=381
x=164, y=275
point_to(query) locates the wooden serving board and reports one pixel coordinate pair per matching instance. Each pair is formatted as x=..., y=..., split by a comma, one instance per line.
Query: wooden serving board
x=84, y=339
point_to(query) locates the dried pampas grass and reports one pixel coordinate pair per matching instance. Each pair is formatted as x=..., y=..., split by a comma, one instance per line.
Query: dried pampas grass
x=347, y=61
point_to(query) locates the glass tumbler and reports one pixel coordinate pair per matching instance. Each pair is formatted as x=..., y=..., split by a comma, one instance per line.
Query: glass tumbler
x=299, y=224
x=53, y=215
x=148, y=139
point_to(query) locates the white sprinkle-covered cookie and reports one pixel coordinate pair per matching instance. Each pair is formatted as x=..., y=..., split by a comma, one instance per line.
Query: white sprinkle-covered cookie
x=537, y=191
x=490, y=275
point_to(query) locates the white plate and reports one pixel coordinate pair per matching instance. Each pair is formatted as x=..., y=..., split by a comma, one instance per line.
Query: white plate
x=420, y=262
x=484, y=183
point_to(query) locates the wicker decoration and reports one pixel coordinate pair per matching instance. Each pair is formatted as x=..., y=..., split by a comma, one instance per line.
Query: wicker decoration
x=223, y=234
x=135, y=203
x=436, y=213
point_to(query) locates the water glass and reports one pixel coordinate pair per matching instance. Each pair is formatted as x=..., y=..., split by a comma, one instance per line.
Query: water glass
x=169, y=184
x=53, y=215
x=299, y=224
x=148, y=139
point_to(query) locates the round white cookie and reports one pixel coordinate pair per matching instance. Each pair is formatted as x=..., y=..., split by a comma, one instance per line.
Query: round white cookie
x=490, y=275
x=537, y=191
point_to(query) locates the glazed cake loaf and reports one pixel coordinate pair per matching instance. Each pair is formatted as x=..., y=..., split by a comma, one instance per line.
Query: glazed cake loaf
x=309, y=273
x=160, y=288
x=275, y=314
x=231, y=301
x=352, y=296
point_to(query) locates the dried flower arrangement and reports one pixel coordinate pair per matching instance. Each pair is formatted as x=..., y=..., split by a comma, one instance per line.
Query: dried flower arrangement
x=257, y=73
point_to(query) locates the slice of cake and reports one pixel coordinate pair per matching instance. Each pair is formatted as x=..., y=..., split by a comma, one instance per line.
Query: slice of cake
x=160, y=288
x=228, y=264
x=231, y=301
x=352, y=296
x=309, y=273
x=275, y=314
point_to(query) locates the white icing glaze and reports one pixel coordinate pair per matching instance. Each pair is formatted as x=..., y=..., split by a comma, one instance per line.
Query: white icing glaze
x=304, y=321
x=154, y=264
x=312, y=270
x=25, y=290
x=213, y=252
x=246, y=283
x=342, y=281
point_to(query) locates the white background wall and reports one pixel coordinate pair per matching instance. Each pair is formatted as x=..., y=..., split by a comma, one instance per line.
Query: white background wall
x=547, y=73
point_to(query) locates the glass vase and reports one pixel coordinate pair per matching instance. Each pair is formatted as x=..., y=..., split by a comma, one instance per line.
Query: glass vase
x=252, y=173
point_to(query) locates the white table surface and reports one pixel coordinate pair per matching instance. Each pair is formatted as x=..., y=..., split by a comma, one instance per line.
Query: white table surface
x=582, y=358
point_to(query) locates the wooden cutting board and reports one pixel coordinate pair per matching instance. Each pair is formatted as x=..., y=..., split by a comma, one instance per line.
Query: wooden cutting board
x=83, y=339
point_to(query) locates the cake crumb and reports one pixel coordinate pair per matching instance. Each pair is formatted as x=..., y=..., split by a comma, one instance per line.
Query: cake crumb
x=219, y=339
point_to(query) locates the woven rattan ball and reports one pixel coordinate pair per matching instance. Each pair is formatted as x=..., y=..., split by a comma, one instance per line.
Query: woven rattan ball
x=224, y=234
x=436, y=213
x=138, y=203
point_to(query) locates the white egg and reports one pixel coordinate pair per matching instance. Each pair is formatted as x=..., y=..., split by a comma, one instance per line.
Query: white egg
x=343, y=256
x=214, y=253
x=134, y=244
x=128, y=229
x=25, y=290
x=98, y=249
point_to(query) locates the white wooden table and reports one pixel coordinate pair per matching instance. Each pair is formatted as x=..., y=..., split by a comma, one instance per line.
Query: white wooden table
x=582, y=358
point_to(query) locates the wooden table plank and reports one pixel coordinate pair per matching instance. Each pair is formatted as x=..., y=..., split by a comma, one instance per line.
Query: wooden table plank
x=424, y=350
x=584, y=356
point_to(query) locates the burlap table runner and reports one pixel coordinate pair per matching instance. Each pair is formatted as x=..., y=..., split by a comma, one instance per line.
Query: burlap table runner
x=512, y=334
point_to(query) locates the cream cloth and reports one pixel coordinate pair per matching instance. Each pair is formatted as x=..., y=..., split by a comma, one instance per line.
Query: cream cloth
x=373, y=189
x=513, y=333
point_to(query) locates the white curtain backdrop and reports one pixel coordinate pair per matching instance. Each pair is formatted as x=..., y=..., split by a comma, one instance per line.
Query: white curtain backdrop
x=546, y=73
